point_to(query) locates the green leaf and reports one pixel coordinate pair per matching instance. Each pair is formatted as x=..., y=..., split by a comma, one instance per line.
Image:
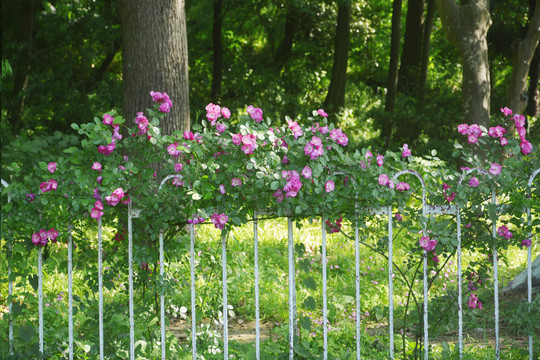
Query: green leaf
x=74, y=126
x=305, y=323
x=71, y=150
x=33, y=280
x=309, y=303
x=7, y=207
x=310, y=283
x=26, y=333
x=274, y=185
x=43, y=165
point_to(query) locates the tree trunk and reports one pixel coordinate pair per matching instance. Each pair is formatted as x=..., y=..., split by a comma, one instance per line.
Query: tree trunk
x=22, y=67
x=335, y=98
x=284, y=49
x=217, y=71
x=155, y=57
x=520, y=282
x=390, y=101
x=412, y=47
x=533, y=98
x=522, y=53
x=426, y=42
x=466, y=27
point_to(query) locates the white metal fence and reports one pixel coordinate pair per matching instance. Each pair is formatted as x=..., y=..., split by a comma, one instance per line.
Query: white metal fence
x=441, y=209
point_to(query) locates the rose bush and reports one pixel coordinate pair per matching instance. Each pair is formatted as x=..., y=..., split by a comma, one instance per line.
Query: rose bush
x=222, y=170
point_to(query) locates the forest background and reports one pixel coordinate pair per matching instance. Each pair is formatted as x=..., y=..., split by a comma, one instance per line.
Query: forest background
x=385, y=70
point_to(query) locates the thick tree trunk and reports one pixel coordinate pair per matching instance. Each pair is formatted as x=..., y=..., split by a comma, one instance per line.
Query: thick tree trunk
x=217, y=71
x=335, y=98
x=466, y=27
x=426, y=42
x=155, y=57
x=412, y=47
x=522, y=53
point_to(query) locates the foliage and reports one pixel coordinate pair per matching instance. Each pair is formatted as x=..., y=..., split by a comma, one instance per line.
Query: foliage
x=223, y=176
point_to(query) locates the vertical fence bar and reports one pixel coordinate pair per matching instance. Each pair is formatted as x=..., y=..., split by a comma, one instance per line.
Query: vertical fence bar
x=192, y=290
x=460, y=295
x=10, y=283
x=225, y=305
x=131, y=304
x=426, y=324
x=357, y=265
x=257, y=314
x=529, y=292
x=496, y=280
x=10, y=294
x=70, y=291
x=162, y=296
x=40, y=296
x=291, y=288
x=529, y=259
x=325, y=321
x=100, y=287
x=390, y=283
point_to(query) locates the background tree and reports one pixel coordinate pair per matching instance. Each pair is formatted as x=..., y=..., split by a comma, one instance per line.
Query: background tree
x=335, y=99
x=411, y=56
x=155, y=57
x=395, y=44
x=523, y=51
x=424, y=61
x=466, y=28
x=217, y=70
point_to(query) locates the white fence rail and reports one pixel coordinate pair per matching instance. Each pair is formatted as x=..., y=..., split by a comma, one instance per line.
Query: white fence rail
x=384, y=211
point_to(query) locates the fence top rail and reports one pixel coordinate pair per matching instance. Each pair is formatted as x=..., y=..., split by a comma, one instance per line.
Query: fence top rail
x=531, y=179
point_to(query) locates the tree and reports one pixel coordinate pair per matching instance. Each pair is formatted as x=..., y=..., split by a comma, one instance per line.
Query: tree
x=24, y=10
x=522, y=53
x=411, y=57
x=217, y=65
x=154, y=57
x=391, y=94
x=426, y=43
x=335, y=98
x=466, y=28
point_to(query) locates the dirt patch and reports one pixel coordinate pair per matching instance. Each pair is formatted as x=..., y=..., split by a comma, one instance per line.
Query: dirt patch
x=239, y=330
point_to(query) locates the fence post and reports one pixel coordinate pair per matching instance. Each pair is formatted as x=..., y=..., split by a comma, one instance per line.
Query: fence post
x=225, y=305
x=292, y=292
x=325, y=300
x=460, y=281
x=70, y=291
x=192, y=290
x=131, y=305
x=10, y=283
x=257, y=314
x=100, y=287
x=390, y=282
x=162, y=296
x=40, y=296
x=529, y=258
x=357, y=266
x=496, y=280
